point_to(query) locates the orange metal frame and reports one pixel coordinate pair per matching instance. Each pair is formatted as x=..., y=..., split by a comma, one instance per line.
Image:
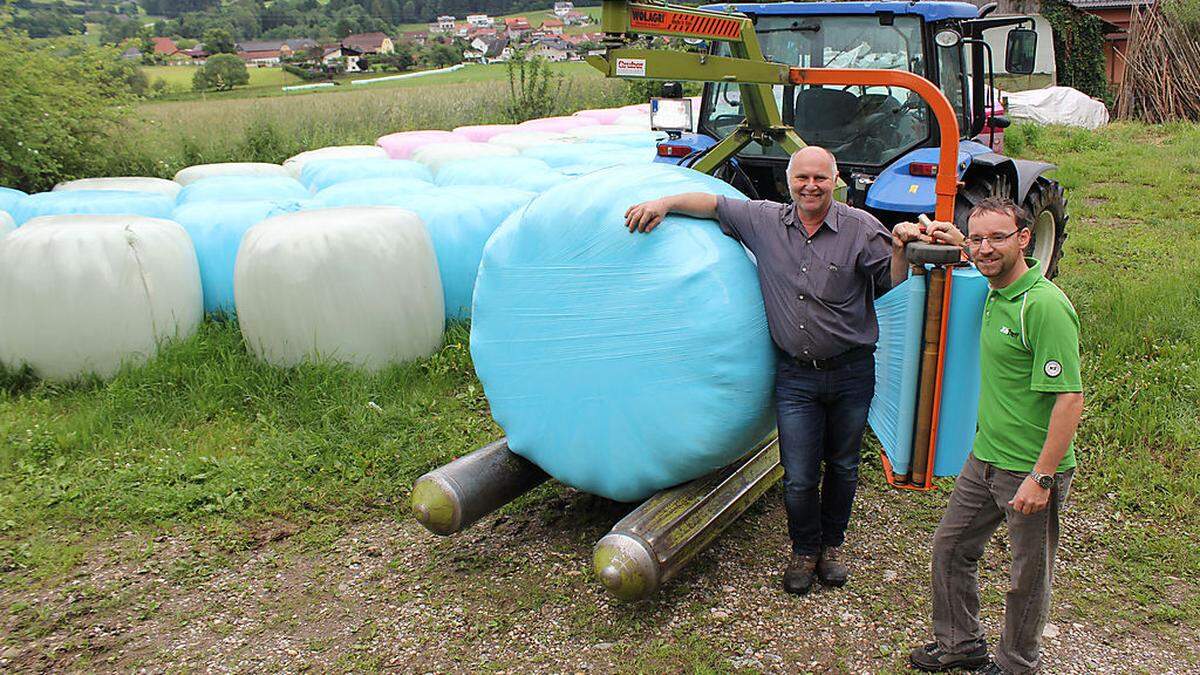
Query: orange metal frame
x=946, y=186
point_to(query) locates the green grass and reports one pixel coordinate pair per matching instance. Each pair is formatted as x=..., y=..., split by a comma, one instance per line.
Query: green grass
x=262, y=80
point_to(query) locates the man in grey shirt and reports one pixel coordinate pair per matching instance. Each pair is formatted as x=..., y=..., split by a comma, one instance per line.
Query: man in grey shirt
x=821, y=264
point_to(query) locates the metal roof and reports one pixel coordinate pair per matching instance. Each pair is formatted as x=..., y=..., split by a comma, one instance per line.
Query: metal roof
x=929, y=10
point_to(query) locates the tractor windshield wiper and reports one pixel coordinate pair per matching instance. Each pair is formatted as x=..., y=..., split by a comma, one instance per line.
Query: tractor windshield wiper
x=794, y=28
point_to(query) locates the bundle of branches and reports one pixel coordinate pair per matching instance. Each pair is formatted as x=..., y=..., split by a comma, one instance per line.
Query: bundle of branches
x=1162, y=64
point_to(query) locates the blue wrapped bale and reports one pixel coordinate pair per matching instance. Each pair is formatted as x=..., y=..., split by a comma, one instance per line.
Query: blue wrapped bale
x=242, y=189
x=92, y=202
x=216, y=230
x=901, y=317
x=619, y=363
x=568, y=154
x=322, y=173
x=9, y=198
x=522, y=173
x=373, y=192
x=460, y=221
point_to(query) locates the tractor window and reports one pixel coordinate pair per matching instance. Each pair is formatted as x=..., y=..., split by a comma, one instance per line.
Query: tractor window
x=950, y=74
x=866, y=126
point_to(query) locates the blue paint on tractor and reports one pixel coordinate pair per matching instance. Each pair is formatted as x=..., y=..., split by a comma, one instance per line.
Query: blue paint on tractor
x=930, y=11
x=897, y=190
x=694, y=142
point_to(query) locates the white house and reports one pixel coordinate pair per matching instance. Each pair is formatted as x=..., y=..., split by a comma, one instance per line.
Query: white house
x=562, y=9
x=446, y=23
x=479, y=20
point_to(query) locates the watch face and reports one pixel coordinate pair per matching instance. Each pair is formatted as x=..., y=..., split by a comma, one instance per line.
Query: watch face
x=1045, y=481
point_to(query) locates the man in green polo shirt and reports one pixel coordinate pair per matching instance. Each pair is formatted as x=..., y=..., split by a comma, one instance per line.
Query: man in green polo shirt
x=1019, y=471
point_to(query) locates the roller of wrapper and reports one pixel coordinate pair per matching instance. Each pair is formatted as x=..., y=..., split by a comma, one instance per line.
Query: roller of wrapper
x=654, y=542
x=449, y=499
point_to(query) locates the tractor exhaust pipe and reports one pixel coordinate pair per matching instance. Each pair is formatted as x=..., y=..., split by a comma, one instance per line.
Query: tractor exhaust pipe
x=450, y=499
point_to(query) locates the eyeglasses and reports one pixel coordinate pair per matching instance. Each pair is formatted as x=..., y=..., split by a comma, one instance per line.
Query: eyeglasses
x=975, y=241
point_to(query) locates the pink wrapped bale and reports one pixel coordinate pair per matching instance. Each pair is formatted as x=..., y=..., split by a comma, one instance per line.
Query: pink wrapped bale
x=401, y=145
x=557, y=124
x=601, y=115
x=482, y=133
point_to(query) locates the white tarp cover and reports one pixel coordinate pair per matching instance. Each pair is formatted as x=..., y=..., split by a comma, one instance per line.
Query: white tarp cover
x=295, y=165
x=195, y=173
x=82, y=294
x=162, y=186
x=1057, y=105
x=356, y=285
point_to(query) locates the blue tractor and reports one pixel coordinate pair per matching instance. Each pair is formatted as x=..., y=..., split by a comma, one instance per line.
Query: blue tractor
x=885, y=138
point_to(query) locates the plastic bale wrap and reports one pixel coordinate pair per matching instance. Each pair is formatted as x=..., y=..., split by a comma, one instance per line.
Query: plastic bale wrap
x=522, y=173
x=402, y=145
x=9, y=198
x=162, y=186
x=84, y=294
x=601, y=132
x=352, y=285
x=437, y=156
x=242, y=189
x=568, y=154
x=592, y=162
x=961, y=374
x=372, y=192
x=92, y=202
x=460, y=221
x=216, y=231
x=528, y=139
x=322, y=173
x=7, y=224
x=601, y=115
x=632, y=139
x=639, y=121
x=192, y=174
x=901, y=316
x=481, y=133
x=620, y=363
x=295, y=165
x=557, y=124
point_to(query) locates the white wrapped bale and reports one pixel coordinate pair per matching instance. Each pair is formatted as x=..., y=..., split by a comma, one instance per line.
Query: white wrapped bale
x=162, y=186
x=599, y=132
x=354, y=285
x=295, y=165
x=84, y=294
x=194, y=173
x=242, y=189
x=7, y=224
x=437, y=155
x=528, y=139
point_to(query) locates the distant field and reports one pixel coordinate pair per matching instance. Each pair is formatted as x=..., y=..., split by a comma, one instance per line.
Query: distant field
x=179, y=78
x=535, y=16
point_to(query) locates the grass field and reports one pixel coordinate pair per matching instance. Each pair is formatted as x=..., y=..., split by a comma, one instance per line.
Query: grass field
x=203, y=464
x=179, y=79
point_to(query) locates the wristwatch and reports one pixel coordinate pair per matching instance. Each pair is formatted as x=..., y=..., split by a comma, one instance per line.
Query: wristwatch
x=1044, y=480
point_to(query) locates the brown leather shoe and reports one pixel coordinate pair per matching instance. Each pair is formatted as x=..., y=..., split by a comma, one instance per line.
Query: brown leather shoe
x=800, y=573
x=830, y=570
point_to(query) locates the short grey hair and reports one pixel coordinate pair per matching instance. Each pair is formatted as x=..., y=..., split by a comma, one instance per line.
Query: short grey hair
x=832, y=159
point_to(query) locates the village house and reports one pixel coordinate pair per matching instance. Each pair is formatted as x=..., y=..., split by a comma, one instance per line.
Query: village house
x=488, y=49
x=562, y=9
x=369, y=43
x=552, y=48
x=576, y=19
x=479, y=20
x=517, y=27
x=552, y=27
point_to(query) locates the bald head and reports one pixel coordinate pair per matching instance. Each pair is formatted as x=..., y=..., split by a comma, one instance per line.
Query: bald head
x=809, y=155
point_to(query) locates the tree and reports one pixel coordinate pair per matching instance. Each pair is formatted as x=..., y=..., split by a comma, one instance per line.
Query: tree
x=218, y=41
x=222, y=72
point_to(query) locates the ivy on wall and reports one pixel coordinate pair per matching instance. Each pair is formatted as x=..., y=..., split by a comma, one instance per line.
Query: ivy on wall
x=1078, y=48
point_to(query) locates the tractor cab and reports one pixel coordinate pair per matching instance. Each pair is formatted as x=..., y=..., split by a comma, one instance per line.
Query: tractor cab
x=885, y=138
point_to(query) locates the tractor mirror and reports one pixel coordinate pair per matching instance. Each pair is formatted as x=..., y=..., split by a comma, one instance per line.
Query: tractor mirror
x=1021, y=51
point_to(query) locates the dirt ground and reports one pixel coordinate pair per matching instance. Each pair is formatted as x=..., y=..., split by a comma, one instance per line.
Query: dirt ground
x=515, y=594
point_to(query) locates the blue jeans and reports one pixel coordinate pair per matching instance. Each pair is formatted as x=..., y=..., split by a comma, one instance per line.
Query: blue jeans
x=821, y=416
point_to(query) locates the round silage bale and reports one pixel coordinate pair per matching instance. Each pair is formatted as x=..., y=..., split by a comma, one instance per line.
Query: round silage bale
x=435, y=156
x=216, y=230
x=568, y=154
x=372, y=192
x=561, y=124
x=242, y=189
x=7, y=224
x=622, y=363
x=481, y=133
x=9, y=198
x=352, y=285
x=640, y=121
x=601, y=115
x=194, y=173
x=523, y=173
x=401, y=145
x=602, y=133
x=528, y=139
x=92, y=202
x=295, y=165
x=162, y=186
x=322, y=173
x=84, y=294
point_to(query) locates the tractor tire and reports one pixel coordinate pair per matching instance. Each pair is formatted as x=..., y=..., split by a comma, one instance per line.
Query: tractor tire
x=978, y=188
x=1046, y=205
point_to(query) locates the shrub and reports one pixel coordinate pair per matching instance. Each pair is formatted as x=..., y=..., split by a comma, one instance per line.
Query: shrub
x=222, y=72
x=533, y=89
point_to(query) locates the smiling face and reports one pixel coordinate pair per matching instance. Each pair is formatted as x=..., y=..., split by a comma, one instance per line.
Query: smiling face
x=811, y=175
x=996, y=261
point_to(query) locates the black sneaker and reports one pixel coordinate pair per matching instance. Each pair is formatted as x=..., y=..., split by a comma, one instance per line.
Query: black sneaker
x=932, y=659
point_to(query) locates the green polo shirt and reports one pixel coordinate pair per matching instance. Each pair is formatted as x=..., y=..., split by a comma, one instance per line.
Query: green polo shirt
x=1029, y=353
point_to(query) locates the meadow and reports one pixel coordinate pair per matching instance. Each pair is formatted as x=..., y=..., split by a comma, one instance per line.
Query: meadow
x=136, y=512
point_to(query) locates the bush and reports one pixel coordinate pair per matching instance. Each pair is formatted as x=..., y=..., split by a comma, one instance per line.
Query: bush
x=59, y=108
x=533, y=89
x=222, y=72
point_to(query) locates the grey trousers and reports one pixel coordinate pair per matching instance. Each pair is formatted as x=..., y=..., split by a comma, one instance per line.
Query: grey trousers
x=978, y=505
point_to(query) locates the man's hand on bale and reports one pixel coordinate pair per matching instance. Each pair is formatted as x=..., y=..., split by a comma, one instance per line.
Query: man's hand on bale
x=646, y=216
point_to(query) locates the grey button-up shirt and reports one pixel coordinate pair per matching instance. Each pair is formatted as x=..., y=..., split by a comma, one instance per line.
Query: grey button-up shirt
x=819, y=292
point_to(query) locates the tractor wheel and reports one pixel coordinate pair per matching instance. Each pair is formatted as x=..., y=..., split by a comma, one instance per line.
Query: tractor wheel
x=1046, y=205
x=978, y=188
